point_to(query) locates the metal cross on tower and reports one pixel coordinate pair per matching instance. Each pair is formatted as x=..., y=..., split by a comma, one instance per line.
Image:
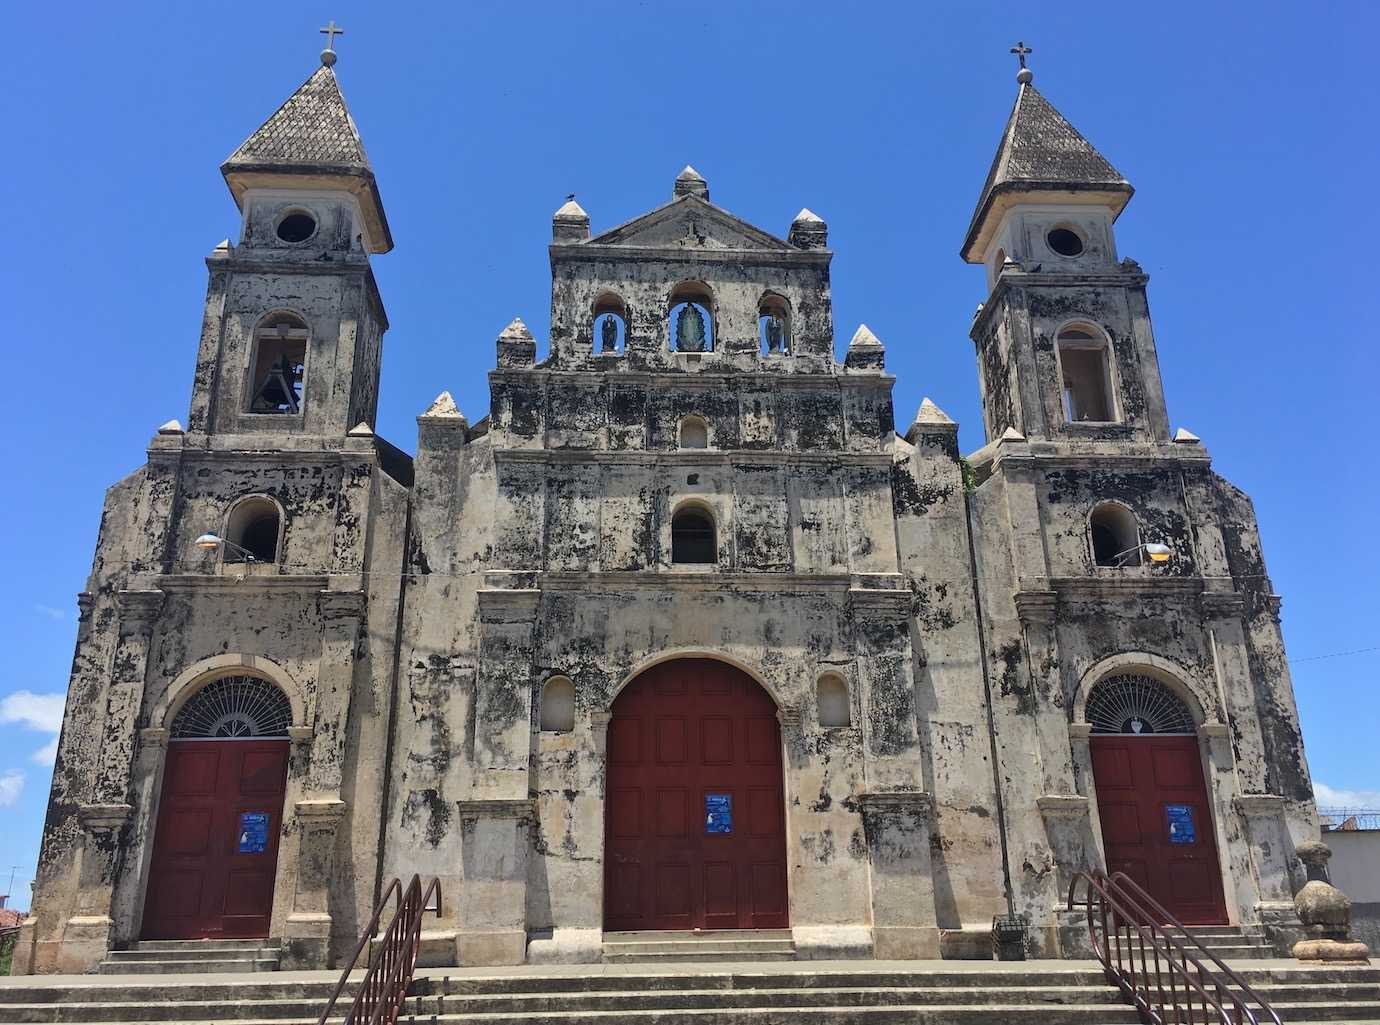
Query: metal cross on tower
x=1020, y=50
x=332, y=30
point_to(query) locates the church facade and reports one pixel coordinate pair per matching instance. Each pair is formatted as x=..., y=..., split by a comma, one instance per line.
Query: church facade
x=688, y=632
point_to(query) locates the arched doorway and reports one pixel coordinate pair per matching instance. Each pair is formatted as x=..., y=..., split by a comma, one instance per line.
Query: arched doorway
x=694, y=822
x=1151, y=797
x=215, y=850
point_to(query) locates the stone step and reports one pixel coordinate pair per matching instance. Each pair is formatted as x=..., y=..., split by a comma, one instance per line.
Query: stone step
x=696, y=956
x=201, y=944
x=194, y=954
x=198, y=966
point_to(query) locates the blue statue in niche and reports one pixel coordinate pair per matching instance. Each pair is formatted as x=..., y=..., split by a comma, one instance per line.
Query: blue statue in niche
x=690, y=329
x=609, y=334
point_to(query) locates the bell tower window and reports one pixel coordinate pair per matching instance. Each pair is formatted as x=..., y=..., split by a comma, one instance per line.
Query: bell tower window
x=1115, y=535
x=1085, y=372
x=280, y=359
x=692, y=536
x=253, y=529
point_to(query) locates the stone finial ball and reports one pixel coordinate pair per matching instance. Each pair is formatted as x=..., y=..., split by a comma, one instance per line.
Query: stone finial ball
x=328, y=58
x=1025, y=76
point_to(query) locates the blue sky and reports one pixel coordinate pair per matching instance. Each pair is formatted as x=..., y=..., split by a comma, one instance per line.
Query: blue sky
x=1248, y=131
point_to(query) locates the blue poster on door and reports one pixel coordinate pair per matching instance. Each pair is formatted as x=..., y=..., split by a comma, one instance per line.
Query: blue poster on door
x=718, y=813
x=253, y=832
x=1180, y=818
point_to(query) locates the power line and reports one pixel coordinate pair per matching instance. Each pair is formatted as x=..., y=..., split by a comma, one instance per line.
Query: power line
x=1334, y=654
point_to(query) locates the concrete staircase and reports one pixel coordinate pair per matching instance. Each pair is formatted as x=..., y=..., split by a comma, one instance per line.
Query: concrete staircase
x=806, y=993
x=698, y=946
x=1230, y=943
x=192, y=957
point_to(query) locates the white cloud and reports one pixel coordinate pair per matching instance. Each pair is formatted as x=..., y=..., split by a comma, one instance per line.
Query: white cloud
x=49, y=611
x=1331, y=797
x=47, y=754
x=11, y=786
x=41, y=712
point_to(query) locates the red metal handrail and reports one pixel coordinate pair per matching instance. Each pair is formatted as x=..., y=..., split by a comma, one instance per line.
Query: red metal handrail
x=381, y=992
x=1155, y=969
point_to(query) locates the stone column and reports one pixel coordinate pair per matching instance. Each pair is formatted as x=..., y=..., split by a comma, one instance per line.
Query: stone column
x=1223, y=611
x=88, y=934
x=307, y=939
x=329, y=710
x=897, y=828
x=492, y=905
x=1270, y=847
x=306, y=865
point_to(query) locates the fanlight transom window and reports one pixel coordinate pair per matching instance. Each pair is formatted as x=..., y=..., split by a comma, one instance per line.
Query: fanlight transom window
x=1135, y=704
x=234, y=707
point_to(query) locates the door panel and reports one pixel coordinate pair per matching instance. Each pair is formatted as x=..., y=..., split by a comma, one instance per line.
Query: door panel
x=1156, y=825
x=215, y=850
x=710, y=850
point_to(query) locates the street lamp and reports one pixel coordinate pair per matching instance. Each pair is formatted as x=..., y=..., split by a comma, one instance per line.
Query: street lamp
x=1153, y=551
x=211, y=542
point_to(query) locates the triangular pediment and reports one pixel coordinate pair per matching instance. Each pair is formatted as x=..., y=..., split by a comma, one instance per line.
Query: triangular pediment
x=689, y=222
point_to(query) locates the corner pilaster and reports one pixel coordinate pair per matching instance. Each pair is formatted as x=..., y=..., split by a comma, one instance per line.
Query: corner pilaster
x=897, y=827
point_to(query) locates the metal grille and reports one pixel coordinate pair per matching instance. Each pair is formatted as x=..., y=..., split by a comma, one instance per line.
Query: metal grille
x=234, y=707
x=1136, y=704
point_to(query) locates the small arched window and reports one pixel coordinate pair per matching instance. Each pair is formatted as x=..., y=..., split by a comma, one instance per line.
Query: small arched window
x=254, y=526
x=692, y=536
x=831, y=697
x=774, y=325
x=1132, y=703
x=1115, y=535
x=279, y=365
x=694, y=432
x=557, y=712
x=691, y=323
x=1085, y=369
x=610, y=324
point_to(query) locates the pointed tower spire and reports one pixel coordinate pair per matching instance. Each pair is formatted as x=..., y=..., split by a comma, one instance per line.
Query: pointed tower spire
x=1040, y=152
x=311, y=140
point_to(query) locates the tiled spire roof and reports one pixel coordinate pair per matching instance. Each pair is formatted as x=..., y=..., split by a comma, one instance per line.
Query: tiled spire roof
x=1040, y=150
x=312, y=138
x=313, y=129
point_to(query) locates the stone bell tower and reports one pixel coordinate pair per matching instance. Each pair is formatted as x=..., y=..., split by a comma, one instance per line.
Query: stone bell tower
x=292, y=335
x=1064, y=346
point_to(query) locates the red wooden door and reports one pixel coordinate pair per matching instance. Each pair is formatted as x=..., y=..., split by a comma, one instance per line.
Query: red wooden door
x=694, y=826
x=1156, y=824
x=216, y=847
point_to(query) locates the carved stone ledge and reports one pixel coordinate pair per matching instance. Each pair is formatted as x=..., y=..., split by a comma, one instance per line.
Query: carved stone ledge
x=789, y=718
x=883, y=802
x=501, y=605
x=1062, y=806
x=523, y=809
x=1259, y=806
x=300, y=735
x=1036, y=608
x=1214, y=731
x=154, y=737
x=86, y=601
x=323, y=811
x=879, y=603
x=1273, y=603
x=103, y=818
x=339, y=607
x=139, y=609
x=1223, y=604
x=1080, y=731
